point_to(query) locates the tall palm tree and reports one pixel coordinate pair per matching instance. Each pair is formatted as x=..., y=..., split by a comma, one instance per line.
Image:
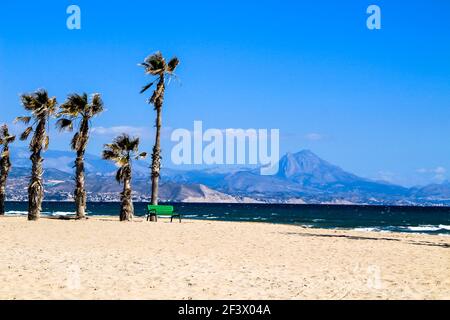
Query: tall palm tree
x=5, y=163
x=79, y=110
x=42, y=108
x=122, y=151
x=156, y=66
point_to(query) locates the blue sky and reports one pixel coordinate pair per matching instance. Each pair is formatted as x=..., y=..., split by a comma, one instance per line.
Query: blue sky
x=376, y=103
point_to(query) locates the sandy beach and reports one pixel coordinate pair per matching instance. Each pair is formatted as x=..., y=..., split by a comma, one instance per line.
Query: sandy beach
x=102, y=258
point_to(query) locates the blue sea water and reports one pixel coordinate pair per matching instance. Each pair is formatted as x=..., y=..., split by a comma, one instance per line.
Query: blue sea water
x=430, y=220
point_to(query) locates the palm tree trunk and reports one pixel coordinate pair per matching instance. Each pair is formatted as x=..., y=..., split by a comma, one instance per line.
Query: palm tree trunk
x=5, y=166
x=80, y=191
x=2, y=200
x=127, y=211
x=156, y=155
x=36, y=187
x=156, y=158
x=2, y=190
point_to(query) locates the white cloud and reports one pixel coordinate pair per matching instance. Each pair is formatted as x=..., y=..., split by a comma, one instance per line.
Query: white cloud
x=438, y=173
x=386, y=176
x=440, y=170
x=437, y=170
x=114, y=131
x=313, y=136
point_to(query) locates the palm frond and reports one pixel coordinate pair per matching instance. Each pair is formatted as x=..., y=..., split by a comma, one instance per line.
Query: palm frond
x=5, y=137
x=46, y=142
x=64, y=125
x=4, y=132
x=41, y=96
x=10, y=139
x=4, y=154
x=122, y=150
x=75, y=142
x=74, y=105
x=26, y=133
x=173, y=63
x=77, y=101
x=28, y=102
x=25, y=120
x=109, y=154
x=133, y=145
x=146, y=87
x=154, y=64
x=97, y=105
x=39, y=104
x=140, y=156
x=120, y=175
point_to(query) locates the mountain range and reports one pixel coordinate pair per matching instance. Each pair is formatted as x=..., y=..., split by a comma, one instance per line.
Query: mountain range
x=303, y=177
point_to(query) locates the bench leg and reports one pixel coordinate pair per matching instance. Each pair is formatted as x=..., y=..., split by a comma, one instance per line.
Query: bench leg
x=171, y=218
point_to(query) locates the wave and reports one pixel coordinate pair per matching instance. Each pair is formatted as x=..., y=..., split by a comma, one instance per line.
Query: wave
x=366, y=229
x=424, y=228
x=62, y=213
x=420, y=228
x=56, y=213
x=14, y=212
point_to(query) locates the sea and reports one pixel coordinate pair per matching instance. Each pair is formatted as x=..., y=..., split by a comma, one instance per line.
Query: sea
x=427, y=220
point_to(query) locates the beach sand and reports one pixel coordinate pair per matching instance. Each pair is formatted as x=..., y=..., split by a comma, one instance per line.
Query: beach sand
x=102, y=258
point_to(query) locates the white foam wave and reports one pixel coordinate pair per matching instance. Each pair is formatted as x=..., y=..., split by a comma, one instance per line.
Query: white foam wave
x=24, y=213
x=366, y=229
x=424, y=228
x=62, y=213
x=15, y=212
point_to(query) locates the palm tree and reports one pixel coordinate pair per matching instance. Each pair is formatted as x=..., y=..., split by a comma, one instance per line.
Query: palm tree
x=42, y=108
x=122, y=151
x=156, y=66
x=79, y=110
x=5, y=164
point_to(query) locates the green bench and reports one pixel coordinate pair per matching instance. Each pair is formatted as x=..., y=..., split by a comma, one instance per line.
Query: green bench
x=155, y=211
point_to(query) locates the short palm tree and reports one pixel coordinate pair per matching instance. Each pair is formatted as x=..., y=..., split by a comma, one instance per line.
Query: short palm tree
x=156, y=66
x=122, y=151
x=79, y=110
x=5, y=163
x=42, y=108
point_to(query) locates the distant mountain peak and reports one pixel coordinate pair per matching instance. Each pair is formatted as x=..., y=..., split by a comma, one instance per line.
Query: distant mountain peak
x=306, y=167
x=305, y=161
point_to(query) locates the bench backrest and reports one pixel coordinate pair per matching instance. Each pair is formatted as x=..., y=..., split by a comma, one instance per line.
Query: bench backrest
x=160, y=210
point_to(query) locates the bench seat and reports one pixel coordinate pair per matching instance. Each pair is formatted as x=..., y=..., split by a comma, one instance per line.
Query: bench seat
x=158, y=210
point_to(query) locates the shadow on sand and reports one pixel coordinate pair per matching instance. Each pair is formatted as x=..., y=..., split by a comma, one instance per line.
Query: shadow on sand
x=351, y=237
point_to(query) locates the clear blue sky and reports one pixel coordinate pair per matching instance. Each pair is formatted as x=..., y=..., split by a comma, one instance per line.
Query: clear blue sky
x=377, y=103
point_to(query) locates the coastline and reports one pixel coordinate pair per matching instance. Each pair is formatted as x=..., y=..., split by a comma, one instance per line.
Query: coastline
x=101, y=258
x=386, y=219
